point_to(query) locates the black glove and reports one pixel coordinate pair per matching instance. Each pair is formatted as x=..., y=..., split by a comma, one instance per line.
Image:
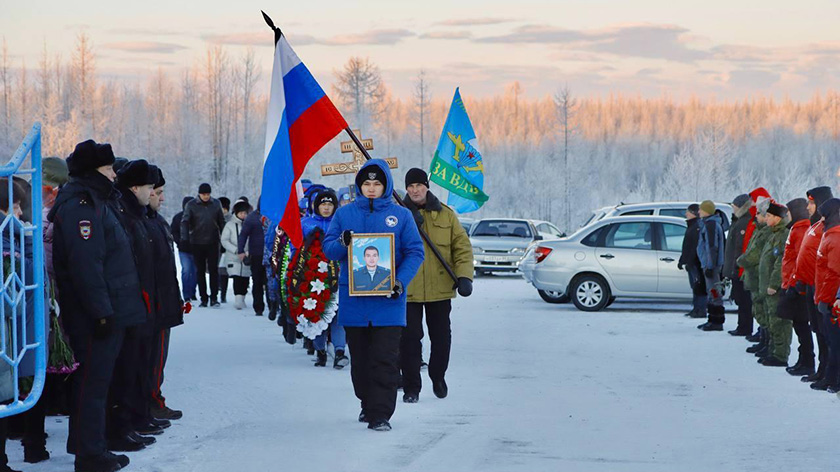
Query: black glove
x=346, y=237
x=709, y=273
x=101, y=328
x=464, y=286
x=397, y=290
x=680, y=266
x=800, y=288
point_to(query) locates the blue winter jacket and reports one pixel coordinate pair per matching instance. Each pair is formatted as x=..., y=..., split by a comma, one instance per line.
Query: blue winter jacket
x=710, y=244
x=381, y=215
x=315, y=221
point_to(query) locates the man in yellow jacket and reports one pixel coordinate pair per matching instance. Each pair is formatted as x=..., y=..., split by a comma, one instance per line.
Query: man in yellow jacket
x=432, y=288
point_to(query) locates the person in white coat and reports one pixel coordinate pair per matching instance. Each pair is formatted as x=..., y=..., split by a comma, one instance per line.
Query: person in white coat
x=238, y=269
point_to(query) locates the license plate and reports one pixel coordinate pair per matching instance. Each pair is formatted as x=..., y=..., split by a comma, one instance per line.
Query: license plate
x=497, y=259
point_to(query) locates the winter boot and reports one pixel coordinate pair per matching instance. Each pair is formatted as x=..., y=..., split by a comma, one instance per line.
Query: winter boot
x=440, y=388
x=380, y=425
x=239, y=302
x=322, y=358
x=754, y=338
x=34, y=455
x=105, y=463
x=802, y=369
x=310, y=348
x=272, y=311
x=712, y=327
x=411, y=398
x=341, y=360
x=166, y=413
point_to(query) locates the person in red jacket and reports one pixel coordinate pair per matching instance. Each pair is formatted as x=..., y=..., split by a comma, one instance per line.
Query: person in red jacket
x=805, y=274
x=791, y=303
x=827, y=285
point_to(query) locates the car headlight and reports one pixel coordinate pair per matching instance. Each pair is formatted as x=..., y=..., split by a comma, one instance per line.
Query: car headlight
x=477, y=250
x=517, y=250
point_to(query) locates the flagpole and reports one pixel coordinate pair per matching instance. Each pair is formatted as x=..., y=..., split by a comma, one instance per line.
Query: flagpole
x=423, y=234
x=435, y=251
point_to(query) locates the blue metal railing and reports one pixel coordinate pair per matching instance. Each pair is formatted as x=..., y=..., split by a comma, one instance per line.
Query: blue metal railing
x=16, y=285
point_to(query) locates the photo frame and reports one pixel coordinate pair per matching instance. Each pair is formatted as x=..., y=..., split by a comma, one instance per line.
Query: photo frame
x=372, y=264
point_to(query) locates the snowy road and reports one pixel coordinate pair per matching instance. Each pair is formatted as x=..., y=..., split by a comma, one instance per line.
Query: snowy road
x=533, y=387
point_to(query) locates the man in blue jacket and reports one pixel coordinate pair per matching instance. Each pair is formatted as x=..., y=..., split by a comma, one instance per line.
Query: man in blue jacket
x=372, y=277
x=374, y=324
x=710, y=252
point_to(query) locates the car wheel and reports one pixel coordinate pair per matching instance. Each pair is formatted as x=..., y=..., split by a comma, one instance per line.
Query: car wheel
x=551, y=296
x=612, y=300
x=590, y=293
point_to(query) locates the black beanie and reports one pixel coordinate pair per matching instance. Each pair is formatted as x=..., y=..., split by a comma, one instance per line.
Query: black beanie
x=225, y=201
x=372, y=172
x=798, y=209
x=416, y=176
x=88, y=156
x=204, y=188
x=323, y=196
x=694, y=209
x=830, y=210
x=819, y=195
x=137, y=173
x=160, y=180
x=185, y=201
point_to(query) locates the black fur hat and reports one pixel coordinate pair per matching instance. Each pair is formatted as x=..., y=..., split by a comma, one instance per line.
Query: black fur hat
x=88, y=156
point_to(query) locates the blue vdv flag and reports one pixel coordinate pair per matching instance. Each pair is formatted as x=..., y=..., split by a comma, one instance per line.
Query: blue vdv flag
x=457, y=165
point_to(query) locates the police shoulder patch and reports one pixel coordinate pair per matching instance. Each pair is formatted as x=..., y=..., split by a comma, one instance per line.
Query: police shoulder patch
x=391, y=221
x=85, y=229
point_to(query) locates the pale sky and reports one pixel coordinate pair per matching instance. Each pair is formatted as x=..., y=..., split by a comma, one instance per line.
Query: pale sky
x=723, y=48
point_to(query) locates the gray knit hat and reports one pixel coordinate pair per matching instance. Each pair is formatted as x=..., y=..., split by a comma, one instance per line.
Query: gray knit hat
x=741, y=200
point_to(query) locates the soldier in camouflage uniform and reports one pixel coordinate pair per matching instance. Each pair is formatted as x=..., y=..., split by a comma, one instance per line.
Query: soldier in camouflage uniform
x=749, y=260
x=769, y=285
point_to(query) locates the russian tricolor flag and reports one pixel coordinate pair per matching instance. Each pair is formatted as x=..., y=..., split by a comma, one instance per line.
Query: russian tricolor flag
x=301, y=120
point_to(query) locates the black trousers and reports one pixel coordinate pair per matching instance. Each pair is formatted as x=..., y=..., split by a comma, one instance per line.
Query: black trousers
x=259, y=291
x=815, y=322
x=794, y=307
x=207, y=260
x=411, y=347
x=160, y=352
x=374, y=368
x=33, y=430
x=97, y=358
x=743, y=299
x=240, y=285
x=223, y=283
x=129, y=397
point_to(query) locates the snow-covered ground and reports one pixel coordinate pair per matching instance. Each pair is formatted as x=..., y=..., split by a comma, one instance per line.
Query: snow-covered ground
x=533, y=387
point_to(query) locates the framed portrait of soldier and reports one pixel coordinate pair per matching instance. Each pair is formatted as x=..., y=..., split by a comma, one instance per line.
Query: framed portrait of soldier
x=373, y=267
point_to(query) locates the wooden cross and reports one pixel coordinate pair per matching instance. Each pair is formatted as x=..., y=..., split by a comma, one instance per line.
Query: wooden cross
x=358, y=158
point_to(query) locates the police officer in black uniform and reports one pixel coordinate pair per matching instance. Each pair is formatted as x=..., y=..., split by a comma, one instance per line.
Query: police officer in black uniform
x=169, y=307
x=129, y=412
x=100, y=294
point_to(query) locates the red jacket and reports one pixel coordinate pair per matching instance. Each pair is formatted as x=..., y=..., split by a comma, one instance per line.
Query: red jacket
x=806, y=260
x=828, y=267
x=792, y=245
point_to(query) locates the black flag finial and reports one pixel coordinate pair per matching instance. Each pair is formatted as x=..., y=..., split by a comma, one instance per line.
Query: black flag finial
x=277, y=32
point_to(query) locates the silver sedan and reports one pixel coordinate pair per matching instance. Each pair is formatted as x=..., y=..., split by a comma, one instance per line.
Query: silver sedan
x=627, y=256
